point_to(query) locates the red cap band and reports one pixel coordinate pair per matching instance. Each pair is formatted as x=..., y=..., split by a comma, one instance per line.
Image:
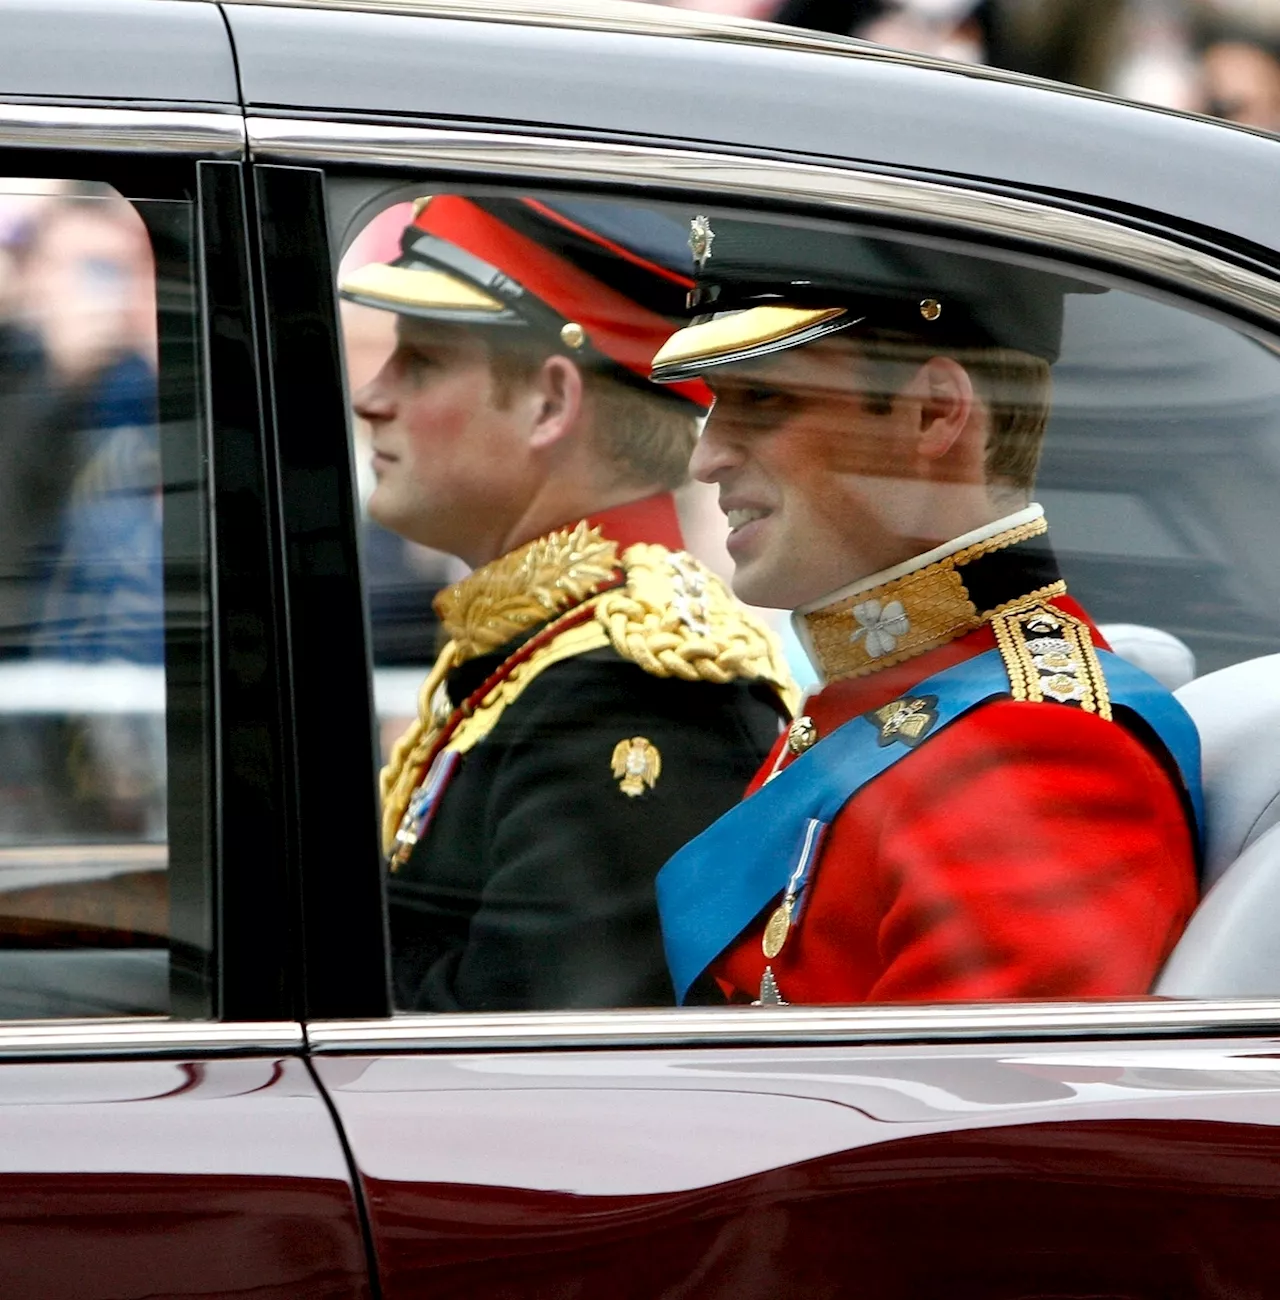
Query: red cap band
x=616, y=326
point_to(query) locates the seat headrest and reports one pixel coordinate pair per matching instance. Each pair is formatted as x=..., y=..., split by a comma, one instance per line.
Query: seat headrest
x=1229, y=948
x=1167, y=658
x=1237, y=712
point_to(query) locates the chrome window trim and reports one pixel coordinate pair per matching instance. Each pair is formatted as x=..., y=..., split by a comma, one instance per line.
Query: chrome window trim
x=791, y=1026
x=122, y=130
x=547, y=160
x=97, y=1039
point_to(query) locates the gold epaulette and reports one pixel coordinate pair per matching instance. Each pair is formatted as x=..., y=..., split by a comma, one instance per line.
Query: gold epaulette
x=672, y=616
x=675, y=618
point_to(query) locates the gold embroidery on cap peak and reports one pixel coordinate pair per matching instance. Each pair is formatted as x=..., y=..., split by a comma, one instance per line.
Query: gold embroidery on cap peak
x=739, y=333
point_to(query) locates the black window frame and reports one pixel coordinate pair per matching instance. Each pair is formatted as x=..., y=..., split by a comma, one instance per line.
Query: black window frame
x=187, y=457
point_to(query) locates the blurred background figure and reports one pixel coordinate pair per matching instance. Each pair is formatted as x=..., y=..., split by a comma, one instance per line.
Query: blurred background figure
x=79, y=505
x=90, y=289
x=954, y=29
x=1239, y=47
x=81, y=525
x=1220, y=57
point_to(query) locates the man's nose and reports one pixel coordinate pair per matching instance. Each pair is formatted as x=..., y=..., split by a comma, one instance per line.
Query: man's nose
x=371, y=401
x=714, y=454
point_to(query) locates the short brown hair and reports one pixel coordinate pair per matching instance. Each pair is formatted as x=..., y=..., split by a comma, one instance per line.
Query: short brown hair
x=1016, y=388
x=647, y=436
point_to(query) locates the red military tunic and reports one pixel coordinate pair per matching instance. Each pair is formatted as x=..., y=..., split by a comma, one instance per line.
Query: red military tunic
x=1028, y=850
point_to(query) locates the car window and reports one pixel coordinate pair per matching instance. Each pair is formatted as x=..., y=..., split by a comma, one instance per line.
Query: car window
x=104, y=903
x=997, y=516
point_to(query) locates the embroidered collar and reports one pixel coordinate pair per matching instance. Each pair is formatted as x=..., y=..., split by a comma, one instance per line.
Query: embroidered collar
x=519, y=591
x=524, y=588
x=901, y=612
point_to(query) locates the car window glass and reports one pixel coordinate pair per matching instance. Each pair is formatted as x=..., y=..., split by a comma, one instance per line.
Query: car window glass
x=994, y=513
x=104, y=906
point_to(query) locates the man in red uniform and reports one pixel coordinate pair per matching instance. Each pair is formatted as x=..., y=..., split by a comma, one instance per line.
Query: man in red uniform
x=601, y=696
x=980, y=802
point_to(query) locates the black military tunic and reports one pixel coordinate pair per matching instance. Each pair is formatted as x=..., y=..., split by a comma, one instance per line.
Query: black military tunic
x=530, y=886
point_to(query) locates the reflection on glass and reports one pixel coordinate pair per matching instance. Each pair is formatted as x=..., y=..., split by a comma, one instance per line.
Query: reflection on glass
x=599, y=696
x=84, y=896
x=898, y=431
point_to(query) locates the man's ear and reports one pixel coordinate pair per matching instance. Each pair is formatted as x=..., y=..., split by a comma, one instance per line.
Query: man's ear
x=558, y=396
x=944, y=391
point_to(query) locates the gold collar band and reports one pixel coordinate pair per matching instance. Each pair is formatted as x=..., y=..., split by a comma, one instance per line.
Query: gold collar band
x=925, y=608
x=525, y=588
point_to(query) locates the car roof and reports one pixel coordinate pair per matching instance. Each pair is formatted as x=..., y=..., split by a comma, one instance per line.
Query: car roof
x=169, y=51
x=612, y=69
x=630, y=71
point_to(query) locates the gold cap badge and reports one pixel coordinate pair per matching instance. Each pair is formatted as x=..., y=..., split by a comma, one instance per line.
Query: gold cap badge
x=701, y=237
x=637, y=765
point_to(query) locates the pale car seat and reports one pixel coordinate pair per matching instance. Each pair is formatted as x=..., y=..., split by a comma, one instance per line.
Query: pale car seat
x=1230, y=948
x=1158, y=653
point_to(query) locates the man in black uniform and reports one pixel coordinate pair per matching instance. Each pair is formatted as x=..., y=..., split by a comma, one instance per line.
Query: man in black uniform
x=602, y=697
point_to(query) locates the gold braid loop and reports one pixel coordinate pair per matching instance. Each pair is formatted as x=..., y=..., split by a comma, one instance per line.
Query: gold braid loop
x=399, y=778
x=675, y=618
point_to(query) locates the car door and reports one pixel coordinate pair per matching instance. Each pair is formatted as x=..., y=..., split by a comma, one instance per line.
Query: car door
x=160, y=1129
x=1043, y=1148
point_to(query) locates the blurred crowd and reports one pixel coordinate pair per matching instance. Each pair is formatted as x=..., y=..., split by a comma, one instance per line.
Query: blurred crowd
x=80, y=561
x=1212, y=56
x=81, y=523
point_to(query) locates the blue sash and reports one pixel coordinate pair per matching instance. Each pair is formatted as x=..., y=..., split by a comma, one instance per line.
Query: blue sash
x=715, y=886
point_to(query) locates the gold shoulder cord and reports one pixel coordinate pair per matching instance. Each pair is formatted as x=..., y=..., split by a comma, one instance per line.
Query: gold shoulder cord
x=673, y=617
x=397, y=780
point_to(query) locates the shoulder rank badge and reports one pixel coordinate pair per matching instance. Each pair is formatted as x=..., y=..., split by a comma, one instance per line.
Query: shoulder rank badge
x=1049, y=655
x=907, y=720
x=637, y=765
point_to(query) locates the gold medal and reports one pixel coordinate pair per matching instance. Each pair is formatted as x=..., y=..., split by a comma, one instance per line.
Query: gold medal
x=777, y=928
